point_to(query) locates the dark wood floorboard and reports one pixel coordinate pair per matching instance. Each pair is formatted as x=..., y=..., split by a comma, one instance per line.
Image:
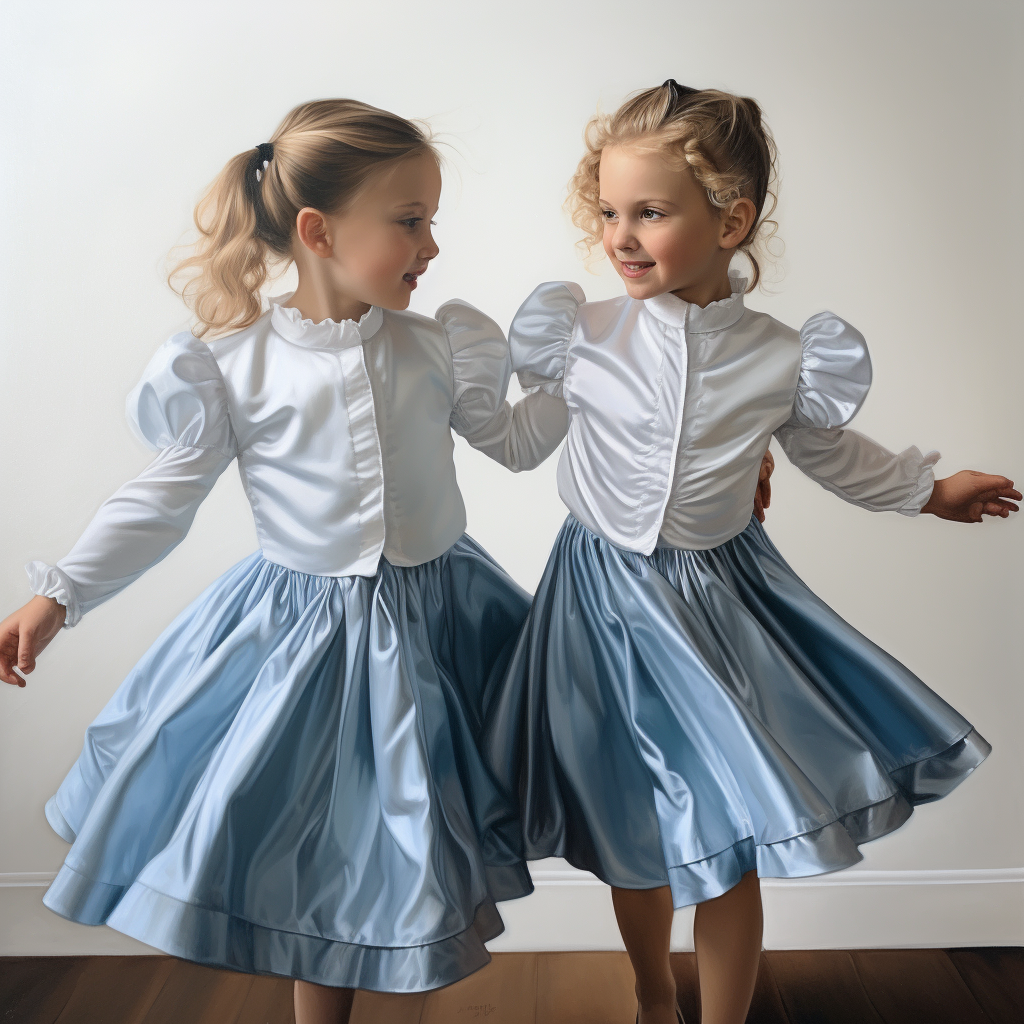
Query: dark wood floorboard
x=822, y=987
x=959, y=986
x=36, y=989
x=606, y=978
x=198, y=995
x=121, y=989
x=917, y=986
x=996, y=980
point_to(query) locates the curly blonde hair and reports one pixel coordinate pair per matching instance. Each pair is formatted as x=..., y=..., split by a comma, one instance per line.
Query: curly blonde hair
x=321, y=155
x=722, y=138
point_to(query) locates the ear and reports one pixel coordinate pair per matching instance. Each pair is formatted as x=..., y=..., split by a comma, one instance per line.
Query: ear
x=737, y=219
x=311, y=228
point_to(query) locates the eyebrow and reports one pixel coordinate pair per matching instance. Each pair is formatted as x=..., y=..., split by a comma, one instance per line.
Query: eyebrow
x=412, y=206
x=644, y=202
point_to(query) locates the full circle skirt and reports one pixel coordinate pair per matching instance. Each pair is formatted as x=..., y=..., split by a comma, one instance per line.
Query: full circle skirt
x=686, y=717
x=290, y=781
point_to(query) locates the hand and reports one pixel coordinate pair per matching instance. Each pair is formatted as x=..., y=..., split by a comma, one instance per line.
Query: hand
x=25, y=633
x=763, y=494
x=967, y=496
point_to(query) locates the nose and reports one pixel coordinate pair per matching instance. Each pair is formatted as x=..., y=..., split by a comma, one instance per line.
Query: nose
x=430, y=250
x=623, y=238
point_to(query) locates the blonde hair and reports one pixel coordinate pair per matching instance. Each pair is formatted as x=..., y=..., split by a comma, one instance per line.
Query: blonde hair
x=721, y=137
x=321, y=155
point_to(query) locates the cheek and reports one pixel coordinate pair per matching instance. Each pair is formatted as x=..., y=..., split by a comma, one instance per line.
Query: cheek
x=608, y=239
x=376, y=257
x=682, y=246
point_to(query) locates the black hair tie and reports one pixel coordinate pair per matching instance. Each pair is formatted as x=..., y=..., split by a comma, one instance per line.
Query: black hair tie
x=262, y=155
x=677, y=90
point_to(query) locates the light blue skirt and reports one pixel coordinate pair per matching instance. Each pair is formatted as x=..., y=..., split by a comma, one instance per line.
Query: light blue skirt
x=686, y=717
x=290, y=781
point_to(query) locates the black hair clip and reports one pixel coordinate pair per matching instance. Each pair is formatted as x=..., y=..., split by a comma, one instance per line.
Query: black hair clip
x=262, y=156
x=676, y=89
x=266, y=154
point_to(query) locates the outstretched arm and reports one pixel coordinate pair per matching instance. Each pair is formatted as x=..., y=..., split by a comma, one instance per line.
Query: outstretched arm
x=967, y=496
x=864, y=473
x=132, y=531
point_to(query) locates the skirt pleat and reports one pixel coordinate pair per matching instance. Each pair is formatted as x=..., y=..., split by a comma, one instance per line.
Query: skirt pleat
x=686, y=717
x=290, y=780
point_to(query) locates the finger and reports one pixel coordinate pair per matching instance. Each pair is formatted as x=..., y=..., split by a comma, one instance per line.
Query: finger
x=27, y=650
x=8, y=675
x=995, y=508
x=998, y=497
x=991, y=481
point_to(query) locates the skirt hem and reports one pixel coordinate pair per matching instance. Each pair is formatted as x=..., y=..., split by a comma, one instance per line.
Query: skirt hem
x=223, y=940
x=820, y=851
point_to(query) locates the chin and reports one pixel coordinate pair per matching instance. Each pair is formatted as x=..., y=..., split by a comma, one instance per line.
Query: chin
x=397, y=301
x=642, y=289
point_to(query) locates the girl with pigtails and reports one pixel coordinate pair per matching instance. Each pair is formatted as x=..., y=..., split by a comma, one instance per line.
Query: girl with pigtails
x=289, y=780
x=682, y=716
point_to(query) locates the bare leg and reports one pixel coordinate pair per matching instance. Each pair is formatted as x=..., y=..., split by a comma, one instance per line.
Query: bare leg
x=318, y=1004
x=645, y=921
x=727, y=936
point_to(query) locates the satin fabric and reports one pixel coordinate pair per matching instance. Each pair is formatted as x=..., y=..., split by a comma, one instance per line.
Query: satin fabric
x=289, y=780
x=685, y=717
x=343, y=437
x=672, y=406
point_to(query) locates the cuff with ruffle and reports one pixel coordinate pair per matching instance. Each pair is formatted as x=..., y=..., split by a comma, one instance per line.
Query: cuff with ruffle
x=921, y=466
x=48, y=581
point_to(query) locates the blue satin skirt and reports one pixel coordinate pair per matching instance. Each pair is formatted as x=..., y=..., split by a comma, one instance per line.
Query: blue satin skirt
x=686, y=717
x=290, y=781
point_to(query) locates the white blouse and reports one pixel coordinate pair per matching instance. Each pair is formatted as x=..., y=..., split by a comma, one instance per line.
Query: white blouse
x=343, y=436
x=671, y=407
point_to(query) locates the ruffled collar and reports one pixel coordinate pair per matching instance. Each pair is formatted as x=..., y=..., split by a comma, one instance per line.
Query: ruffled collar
x=715, y=316
x=288, y=322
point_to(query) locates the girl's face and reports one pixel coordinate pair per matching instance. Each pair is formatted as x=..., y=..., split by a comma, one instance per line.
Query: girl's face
x=660, y=232
x=376, y=248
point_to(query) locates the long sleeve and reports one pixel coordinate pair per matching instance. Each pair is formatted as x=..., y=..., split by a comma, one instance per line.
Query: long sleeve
x=835, y=376
x=519, y=437
x=179, y=409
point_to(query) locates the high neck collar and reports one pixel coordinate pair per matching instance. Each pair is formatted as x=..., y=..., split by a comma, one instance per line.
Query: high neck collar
x=288, y=322
x=715, y=316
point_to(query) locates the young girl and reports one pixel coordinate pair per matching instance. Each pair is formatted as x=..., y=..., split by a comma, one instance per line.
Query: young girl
x=289, y=780
x=689, y=716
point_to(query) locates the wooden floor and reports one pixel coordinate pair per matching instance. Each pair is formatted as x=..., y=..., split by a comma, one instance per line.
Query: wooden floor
x=959, y=986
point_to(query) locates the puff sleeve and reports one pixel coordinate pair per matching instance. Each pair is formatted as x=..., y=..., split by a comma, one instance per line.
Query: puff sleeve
x=835, y=375
x=178, y=409
x=540, y=334
x=519, y=437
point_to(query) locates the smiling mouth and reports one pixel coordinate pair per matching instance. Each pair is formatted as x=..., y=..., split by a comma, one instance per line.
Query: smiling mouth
x=635, y=268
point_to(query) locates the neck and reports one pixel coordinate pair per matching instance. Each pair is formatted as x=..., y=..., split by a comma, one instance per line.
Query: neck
x=317, y=299
x=703, y=292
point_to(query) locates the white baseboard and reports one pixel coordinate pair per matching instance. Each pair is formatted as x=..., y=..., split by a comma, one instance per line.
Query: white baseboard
x=571, y=910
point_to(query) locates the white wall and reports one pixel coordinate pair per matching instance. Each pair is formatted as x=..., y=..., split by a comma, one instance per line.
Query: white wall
x=899, y=131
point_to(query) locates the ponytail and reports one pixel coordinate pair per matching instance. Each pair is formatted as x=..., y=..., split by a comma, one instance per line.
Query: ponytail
x=320, y=156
